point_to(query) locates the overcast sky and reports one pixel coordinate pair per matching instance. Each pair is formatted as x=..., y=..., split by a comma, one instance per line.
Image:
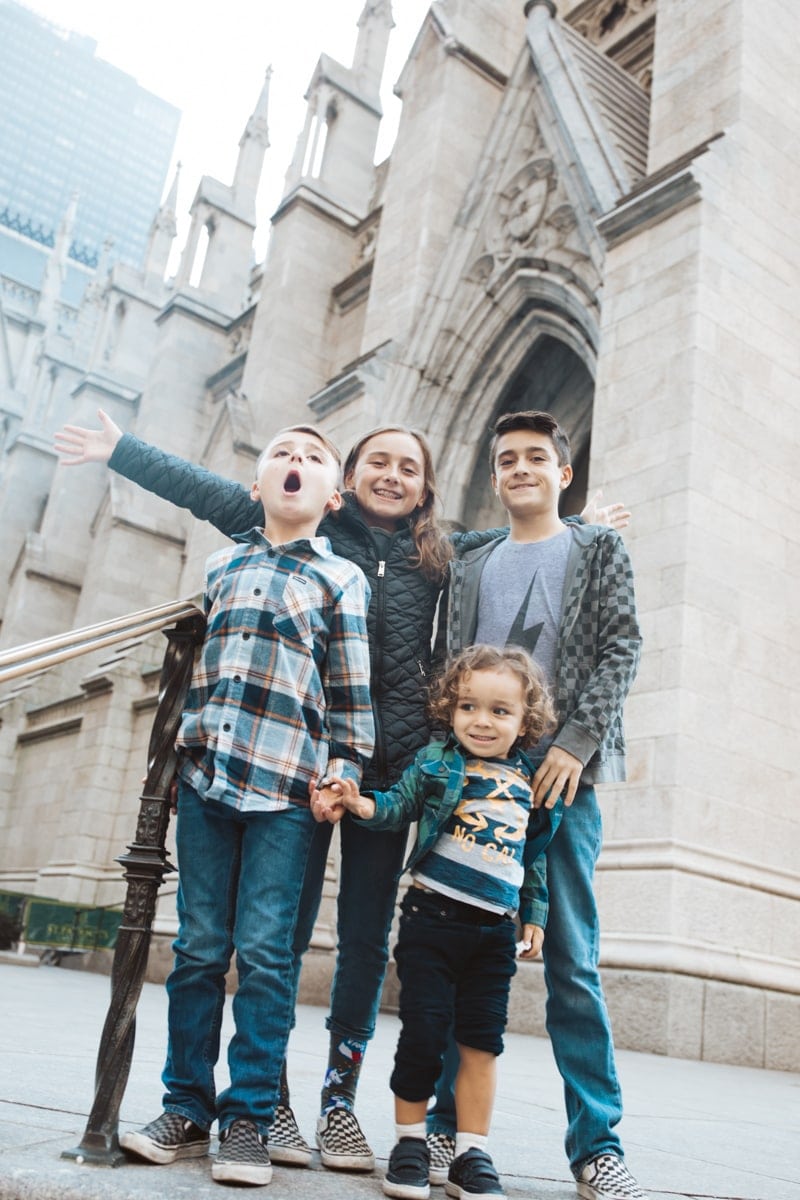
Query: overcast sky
x=209, y=61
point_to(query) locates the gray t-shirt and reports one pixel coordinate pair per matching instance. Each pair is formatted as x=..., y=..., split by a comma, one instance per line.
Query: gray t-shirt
x=520, y=597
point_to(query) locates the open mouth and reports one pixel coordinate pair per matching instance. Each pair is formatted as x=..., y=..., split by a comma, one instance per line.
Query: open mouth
x=292, y=482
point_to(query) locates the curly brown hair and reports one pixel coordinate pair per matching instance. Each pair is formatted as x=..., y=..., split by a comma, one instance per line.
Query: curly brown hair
x=539, y=711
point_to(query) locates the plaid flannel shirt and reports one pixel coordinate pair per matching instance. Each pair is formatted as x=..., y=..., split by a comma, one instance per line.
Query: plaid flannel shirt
x=280, y=695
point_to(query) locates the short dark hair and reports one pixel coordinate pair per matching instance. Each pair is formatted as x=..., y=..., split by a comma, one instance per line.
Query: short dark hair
x=539, y=422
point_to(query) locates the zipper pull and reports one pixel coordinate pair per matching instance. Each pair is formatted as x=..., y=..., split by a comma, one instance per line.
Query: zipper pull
x=381, y=569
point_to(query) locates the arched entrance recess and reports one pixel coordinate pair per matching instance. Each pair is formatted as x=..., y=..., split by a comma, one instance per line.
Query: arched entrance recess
x=555, y=379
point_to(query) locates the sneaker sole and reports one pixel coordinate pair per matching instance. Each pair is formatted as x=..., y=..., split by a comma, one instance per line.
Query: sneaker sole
x=290, y=1156
x=406, y=1191
x=241, y=1173
x=459, y=1193
x=146, y=1148
x=347, y=1162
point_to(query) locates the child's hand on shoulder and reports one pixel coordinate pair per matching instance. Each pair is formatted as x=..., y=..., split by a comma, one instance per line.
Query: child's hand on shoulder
x=532, y=942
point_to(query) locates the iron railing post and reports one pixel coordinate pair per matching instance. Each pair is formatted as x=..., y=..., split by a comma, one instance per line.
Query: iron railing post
x=145, y=866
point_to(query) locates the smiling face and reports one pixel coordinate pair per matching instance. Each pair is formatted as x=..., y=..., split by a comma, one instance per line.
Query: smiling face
x=527, y=477
x=489, y=710
x=388, y=478
x=297, y=481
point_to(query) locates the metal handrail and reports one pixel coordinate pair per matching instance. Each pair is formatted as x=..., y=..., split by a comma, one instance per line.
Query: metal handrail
x=49, y=652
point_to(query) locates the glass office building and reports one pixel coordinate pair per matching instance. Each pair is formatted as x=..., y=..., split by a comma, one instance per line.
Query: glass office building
x=70, y=122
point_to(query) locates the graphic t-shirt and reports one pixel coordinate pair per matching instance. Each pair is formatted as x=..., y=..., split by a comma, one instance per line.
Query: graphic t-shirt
x=478, y=856
x=520, y=601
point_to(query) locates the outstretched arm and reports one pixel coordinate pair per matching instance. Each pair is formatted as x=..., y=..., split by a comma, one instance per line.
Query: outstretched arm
x=210, y=497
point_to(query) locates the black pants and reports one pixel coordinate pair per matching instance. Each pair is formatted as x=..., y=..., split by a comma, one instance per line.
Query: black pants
x=455, y=963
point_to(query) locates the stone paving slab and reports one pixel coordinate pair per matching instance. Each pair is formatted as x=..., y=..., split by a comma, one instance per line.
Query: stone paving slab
x=692, y=1130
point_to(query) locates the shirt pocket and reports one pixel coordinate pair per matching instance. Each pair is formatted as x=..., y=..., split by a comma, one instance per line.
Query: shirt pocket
x=300, y=616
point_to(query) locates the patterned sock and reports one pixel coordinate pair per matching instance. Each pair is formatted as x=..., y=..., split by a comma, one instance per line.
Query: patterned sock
x=465, y=1141
x=341, y=1078
x=283, y=1093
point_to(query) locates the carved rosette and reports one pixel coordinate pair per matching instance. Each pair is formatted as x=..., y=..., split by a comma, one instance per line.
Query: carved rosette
x=530, y=218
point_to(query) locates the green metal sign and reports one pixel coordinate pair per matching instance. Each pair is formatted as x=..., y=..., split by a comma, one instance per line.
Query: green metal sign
x=53, y=923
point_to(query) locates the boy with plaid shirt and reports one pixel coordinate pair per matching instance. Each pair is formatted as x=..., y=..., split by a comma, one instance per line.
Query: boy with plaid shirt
x=565, y=594
x=279, y=702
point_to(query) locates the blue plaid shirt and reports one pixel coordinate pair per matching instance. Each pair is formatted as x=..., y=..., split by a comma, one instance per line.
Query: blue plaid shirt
x=280, y=695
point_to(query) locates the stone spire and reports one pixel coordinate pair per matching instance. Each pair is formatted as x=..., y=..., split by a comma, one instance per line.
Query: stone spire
x=56, y=269
x=253, y=145
x=374, y=26
x=163, y=231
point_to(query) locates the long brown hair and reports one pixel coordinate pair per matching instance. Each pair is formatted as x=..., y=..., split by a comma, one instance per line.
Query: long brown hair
x=433, y=547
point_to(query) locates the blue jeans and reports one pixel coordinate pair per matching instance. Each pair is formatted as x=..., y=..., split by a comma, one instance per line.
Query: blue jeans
x=371, y=864
x=241, y=875
x=577, y=1020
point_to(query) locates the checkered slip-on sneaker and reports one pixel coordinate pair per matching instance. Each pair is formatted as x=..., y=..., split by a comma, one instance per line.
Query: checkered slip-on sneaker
x=342, y=1145
x=407, y=1175
x=472, y=1176
x=287, y=1145
x=242, y=1156
x=166, y=1139
x=442, y=1149
x=606, y=1177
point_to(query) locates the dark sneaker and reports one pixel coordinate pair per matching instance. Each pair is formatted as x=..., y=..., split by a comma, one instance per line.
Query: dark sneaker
x=286, y=1143
x=407, y=1176
x=606, y=1177
x=242, y=1156
x=169, y=1137
x=342, y=1145
x=472, y=1175
x=442, y=1149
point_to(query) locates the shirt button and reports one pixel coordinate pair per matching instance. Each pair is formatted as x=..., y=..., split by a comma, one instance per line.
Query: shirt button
x=256, y=591
x=237, y=679
x=245, y=637
x=226, y=727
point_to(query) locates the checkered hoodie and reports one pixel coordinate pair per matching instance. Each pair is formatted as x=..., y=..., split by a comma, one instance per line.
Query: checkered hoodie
x=598, y=643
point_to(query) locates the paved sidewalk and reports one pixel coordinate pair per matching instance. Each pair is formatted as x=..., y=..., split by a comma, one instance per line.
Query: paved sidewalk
x=691, y=1129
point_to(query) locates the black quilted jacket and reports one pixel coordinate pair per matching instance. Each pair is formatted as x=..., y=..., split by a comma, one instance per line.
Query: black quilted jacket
x=401, y=609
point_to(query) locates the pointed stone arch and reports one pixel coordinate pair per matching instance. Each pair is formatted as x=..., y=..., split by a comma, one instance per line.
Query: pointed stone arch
x=531, y=345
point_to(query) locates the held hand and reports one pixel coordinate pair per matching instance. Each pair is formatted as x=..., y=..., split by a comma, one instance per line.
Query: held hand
x=615, y=515
x=532, y=942
x=354, y=802
x=77, y=446
x=326, y=802
x=558, y=775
